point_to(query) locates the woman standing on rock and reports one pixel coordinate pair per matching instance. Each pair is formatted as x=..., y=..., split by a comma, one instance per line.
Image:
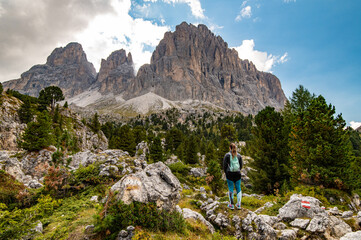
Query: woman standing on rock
x=232, y=165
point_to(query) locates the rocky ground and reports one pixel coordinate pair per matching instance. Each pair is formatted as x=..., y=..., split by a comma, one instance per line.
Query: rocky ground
x=155, y=182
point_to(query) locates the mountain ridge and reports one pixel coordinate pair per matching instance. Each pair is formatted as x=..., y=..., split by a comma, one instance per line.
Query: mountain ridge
x=189, y=63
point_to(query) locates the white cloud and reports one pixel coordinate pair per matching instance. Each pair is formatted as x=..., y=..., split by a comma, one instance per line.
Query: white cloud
x=246, y=12
x=30, y=30
x=195, y=6
x=288, y=1
x=262, y=60
x=34, y=28
x=116, y=30
x=355, y=125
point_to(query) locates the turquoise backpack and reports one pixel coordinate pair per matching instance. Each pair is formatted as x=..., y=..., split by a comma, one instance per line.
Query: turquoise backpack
x=233, y=163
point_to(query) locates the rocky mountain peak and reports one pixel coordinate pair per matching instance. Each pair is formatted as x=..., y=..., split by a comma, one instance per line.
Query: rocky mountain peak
x=193, y=63
x=115, y=72
x=73, y=53
x=67, y=68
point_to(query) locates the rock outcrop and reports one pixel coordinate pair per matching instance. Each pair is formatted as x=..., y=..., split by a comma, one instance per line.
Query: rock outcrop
x=293, y=208
x=190, y=214
x=193, y=63
x=67, y=68
x=155, y=183
x=115, y=73
x=10, y=126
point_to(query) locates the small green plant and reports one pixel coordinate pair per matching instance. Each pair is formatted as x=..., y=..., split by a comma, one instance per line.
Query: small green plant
x=219, y=236
x=18, y=222
x=252, y=203
x=10, y=189
x=118, y=215
x=57, y=156
x=87, y=175
x=180, y=168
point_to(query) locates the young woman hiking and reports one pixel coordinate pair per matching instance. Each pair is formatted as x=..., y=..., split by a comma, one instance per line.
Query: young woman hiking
x=232, y=165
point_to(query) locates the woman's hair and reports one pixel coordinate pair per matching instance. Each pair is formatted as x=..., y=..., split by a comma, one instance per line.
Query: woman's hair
x=233, y=149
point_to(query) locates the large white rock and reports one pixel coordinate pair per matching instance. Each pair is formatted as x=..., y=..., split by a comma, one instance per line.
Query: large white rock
x=188, y=213
x=347, y=214
x=352, y=236
x=300, y=223
x=293, y=208
x=337, y=227
x=252, y=223
x=155, y=183
x=270, y=220
x=318, y=224
x=288, y=234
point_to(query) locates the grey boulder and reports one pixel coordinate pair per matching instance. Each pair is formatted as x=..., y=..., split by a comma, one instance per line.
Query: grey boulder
x=352, y=236
x=293, y=208
x=318, y=224
x=155, y=183
x=188, y=213
x=300, y=223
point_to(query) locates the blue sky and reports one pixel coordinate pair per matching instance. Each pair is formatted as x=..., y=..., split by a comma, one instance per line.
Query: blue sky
x=321, y=37
x=315, y=43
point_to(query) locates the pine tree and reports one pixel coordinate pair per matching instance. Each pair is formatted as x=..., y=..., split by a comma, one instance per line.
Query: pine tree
x=210, y=152
x=173, y=139
x=38, y=134
x=320, y=147
x=95, y=124
x=353, y=174
x=192, y=147
x=25, y=112
x=214, y=169
x=123, y=139
x=1, y=88
x=222, y=150
x=203, y=146
x=56, y=115
x=301, y=99
x=269, y=150
x=50, y=95
x=355, y=139
x=156, y=150
x=298, y=103
x=139, y=134
x=228, y=132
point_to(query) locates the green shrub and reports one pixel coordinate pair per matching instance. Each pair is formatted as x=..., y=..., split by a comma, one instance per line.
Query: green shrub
x=180, y=168
x=87, y=175
x=9, y=188
x=252, y=203
x=18, y=222
x=57, y=156
x=118, y=216
x=38, y=135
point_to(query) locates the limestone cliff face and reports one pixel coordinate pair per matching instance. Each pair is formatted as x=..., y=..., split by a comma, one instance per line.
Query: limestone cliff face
x=193, y=63
x=67, y=68
x=10, y=126
x=115, y=73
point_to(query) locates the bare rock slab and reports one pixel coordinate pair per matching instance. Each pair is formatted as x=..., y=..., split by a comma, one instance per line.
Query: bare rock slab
x=155, y=183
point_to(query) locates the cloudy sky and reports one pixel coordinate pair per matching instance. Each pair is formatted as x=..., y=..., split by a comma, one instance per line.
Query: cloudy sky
x=315, y=43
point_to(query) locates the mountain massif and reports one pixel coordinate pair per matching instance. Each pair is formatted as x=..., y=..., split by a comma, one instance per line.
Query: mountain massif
x=190, y=63
x=67, y=68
